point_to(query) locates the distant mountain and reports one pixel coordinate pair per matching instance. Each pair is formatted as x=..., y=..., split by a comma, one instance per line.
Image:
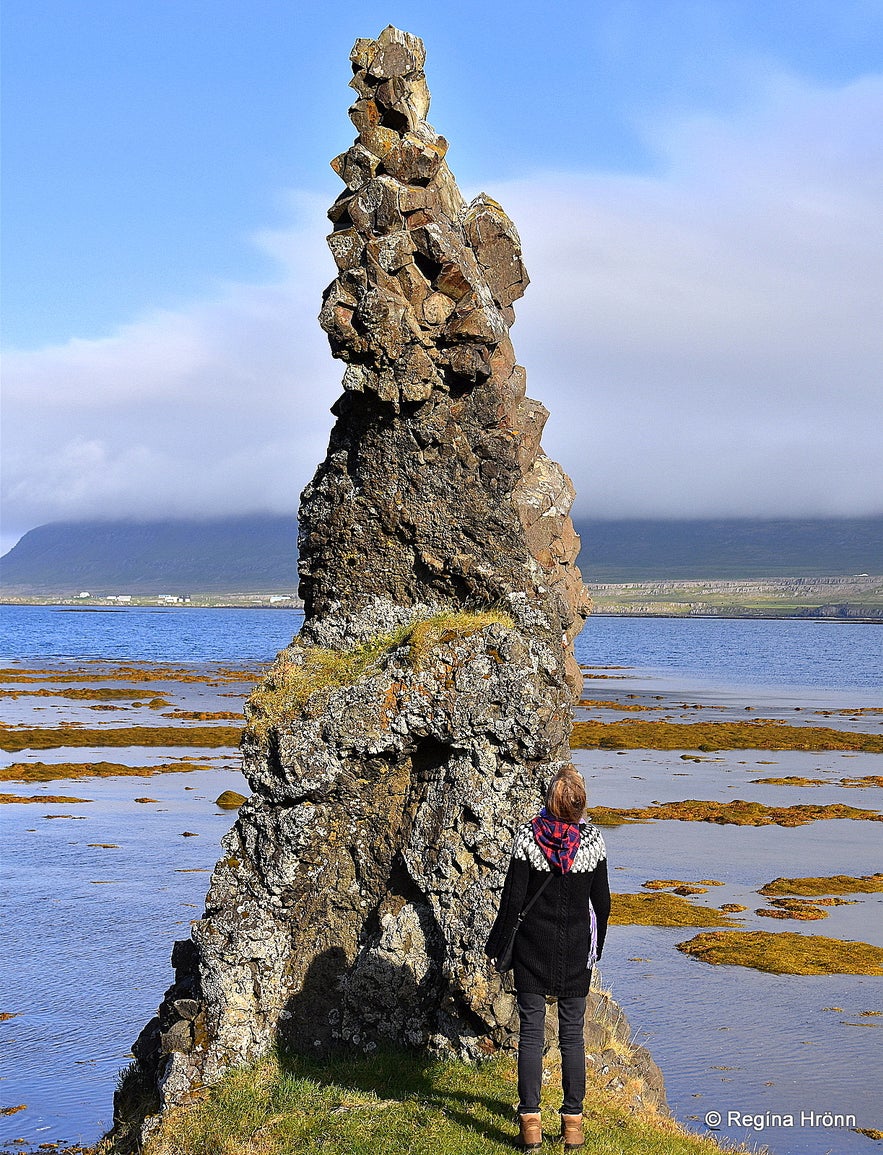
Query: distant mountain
x=648, y=550
x=259, y=553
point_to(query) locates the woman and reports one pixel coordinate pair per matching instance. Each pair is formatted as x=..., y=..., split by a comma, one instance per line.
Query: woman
x=556, y=946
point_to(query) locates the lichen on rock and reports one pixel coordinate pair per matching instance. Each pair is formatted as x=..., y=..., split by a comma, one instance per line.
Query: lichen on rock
x=396, y=744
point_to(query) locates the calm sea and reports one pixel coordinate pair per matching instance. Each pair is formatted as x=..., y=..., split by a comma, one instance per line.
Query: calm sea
x=757, y=653
x=95, y=898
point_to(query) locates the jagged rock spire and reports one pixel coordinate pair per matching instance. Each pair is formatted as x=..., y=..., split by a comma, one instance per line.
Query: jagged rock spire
x=358, y=885
x=435, y=485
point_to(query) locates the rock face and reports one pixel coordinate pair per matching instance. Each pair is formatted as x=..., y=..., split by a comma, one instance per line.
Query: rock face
x=435, y=486
x=399, y=740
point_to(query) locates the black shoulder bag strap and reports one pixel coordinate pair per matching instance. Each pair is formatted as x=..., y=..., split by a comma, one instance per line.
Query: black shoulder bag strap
x=504, y=962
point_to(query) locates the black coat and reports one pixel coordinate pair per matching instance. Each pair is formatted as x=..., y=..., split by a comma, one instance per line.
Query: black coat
x=552, y=945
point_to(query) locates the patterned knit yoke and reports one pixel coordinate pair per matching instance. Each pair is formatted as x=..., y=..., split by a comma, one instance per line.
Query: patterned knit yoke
x=555, y=947
x=558, y=840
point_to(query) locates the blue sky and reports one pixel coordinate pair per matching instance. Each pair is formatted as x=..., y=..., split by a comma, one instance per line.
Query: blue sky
x=698, y=187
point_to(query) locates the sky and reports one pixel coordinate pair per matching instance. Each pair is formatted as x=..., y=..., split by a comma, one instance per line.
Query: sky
x=698, y=187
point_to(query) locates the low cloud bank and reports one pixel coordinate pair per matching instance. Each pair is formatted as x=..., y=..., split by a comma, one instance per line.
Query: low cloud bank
x=707, y=338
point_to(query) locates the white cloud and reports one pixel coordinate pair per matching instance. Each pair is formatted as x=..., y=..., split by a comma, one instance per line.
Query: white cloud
x=708, y=340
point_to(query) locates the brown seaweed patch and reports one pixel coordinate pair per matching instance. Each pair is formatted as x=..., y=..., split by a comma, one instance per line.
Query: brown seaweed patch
x=98, y=693
x=50, y=771
x=663, y=910
x=672, y=883
x=757, y=734
x=833, y=884
x=787, y=952
x=6, y=798
x=858, y=710
x=733, y=907
x=735, y=813
x=204, y=715
x=869, y=1132
x=604, y=704
x=230, y=800
x=133, y=673
x=792, y=780
x=797, y=903
x=798, y=913
x=52, y=737
x=863, y=782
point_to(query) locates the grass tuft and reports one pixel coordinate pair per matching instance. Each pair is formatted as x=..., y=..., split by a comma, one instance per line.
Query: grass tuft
x=301, y=671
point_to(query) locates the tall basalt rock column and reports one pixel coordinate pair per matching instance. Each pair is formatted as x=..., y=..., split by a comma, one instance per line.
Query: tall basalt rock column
x=398, y=741
x=435, y=485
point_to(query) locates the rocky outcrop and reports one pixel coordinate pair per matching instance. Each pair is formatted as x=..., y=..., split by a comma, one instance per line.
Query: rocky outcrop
x=399, y=740
x=435, y=485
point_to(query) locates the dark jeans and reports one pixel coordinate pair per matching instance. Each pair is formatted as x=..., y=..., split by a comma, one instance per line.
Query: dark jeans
x=532, y=1015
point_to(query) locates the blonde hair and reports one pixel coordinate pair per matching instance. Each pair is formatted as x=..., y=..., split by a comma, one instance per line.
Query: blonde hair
x=566, y=795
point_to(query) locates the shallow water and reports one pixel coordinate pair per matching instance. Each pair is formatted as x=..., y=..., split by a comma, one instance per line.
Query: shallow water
x=731, y=1039
x=88, y=931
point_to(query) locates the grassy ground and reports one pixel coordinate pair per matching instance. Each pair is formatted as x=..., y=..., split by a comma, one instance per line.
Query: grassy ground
x=394, y=1104
x=771, y=597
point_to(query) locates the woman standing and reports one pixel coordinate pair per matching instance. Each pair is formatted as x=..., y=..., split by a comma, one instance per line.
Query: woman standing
x=559, y=868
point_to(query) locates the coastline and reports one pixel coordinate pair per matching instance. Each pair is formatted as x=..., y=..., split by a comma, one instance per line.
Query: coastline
x=849, y=598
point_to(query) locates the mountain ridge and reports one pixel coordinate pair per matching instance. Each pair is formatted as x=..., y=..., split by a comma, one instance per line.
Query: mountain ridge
x=259, y=552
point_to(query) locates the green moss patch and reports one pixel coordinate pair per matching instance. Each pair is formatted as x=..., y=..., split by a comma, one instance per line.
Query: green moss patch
x=758, y=734
x=786, y=953
x=663, y=910
x=53, y=737
x=833, y=884
x=735, y=813
x=302, y=671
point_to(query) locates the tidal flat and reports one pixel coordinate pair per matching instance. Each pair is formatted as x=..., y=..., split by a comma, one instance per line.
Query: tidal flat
x=108, y=885
x=730, y=1036
x=103, y=877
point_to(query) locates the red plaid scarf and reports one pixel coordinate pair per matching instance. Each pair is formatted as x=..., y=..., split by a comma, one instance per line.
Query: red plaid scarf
x=559, y=841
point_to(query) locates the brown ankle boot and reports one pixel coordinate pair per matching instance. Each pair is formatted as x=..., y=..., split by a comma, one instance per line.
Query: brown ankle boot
x=572, y=1132
x=531, y=1137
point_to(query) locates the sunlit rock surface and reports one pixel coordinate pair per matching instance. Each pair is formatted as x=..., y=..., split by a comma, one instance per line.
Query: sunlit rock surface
x=358, y=886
